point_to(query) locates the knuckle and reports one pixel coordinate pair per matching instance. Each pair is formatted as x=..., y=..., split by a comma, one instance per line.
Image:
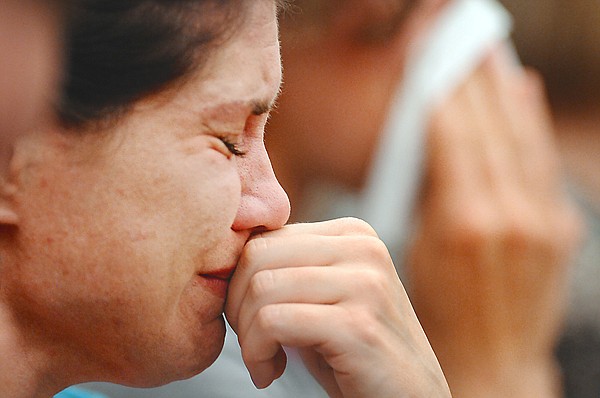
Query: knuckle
x=267, y=318
x=261, y=284
x=374, y=249
x=519, y=232
x=553, y=232
x=365, y=326
x=473, y=231
x=251, y=355
x=352, y=225
x=372, y=281
x=516, y=229
x=253, y=250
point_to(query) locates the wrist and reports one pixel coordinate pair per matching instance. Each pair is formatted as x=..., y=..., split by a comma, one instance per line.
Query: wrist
x=525, y=379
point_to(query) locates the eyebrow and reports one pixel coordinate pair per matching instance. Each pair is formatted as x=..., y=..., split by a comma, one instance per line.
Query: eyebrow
x=238, y=109
x=262, y=107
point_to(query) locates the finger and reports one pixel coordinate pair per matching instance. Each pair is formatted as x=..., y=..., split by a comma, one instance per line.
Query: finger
x=293, y=325
x=477, y=141
x=338, y=227
x=466, y=168
x=535, y=201
x=267, y=253
x=498, y=123
x=541, y=158
x=310, y=285
x=529, y=133
x=452, y=151
x=263, y=373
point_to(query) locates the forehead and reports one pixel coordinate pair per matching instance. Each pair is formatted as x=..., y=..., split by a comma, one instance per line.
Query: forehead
x=244, y=74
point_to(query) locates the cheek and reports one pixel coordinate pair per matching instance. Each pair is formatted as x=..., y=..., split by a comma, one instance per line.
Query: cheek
x=219, y=194
x=114, y=257
x=205, y=199
x=87, y=242
x=73, y=245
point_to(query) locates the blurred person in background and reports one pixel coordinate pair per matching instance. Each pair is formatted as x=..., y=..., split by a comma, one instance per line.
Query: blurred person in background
x=31, y=52
x=561, y=38
x=491, y=230
x=30, y=66
x=494, y=231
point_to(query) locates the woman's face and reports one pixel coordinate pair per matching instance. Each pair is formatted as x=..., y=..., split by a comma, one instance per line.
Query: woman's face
x=126, y=236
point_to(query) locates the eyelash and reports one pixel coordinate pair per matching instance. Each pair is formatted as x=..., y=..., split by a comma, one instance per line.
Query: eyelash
x=233, y=148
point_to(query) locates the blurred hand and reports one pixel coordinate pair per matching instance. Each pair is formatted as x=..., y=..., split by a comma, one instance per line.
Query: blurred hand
x=489, y=262
x=331, y=290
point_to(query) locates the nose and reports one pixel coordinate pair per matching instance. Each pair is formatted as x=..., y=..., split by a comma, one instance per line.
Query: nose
x=264, y=204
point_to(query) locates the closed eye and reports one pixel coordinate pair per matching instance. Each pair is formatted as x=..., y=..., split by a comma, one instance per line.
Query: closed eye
x=232, y=147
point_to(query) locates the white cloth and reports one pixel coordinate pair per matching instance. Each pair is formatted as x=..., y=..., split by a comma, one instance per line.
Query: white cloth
x=455, y=45
x=462, y=35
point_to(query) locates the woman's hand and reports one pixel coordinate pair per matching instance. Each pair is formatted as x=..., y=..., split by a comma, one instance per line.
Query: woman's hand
x=488, y=266
x=331, y=290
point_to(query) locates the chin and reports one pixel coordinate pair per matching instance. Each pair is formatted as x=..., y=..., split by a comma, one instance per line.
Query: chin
x=184, y=362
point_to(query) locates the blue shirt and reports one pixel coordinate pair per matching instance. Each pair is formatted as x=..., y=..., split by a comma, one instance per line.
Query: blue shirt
x=73, y=392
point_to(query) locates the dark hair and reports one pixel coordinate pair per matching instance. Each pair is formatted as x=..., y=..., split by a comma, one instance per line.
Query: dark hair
x=120, y=51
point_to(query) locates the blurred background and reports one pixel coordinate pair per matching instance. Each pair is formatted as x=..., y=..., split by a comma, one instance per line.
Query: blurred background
x=561, y=38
